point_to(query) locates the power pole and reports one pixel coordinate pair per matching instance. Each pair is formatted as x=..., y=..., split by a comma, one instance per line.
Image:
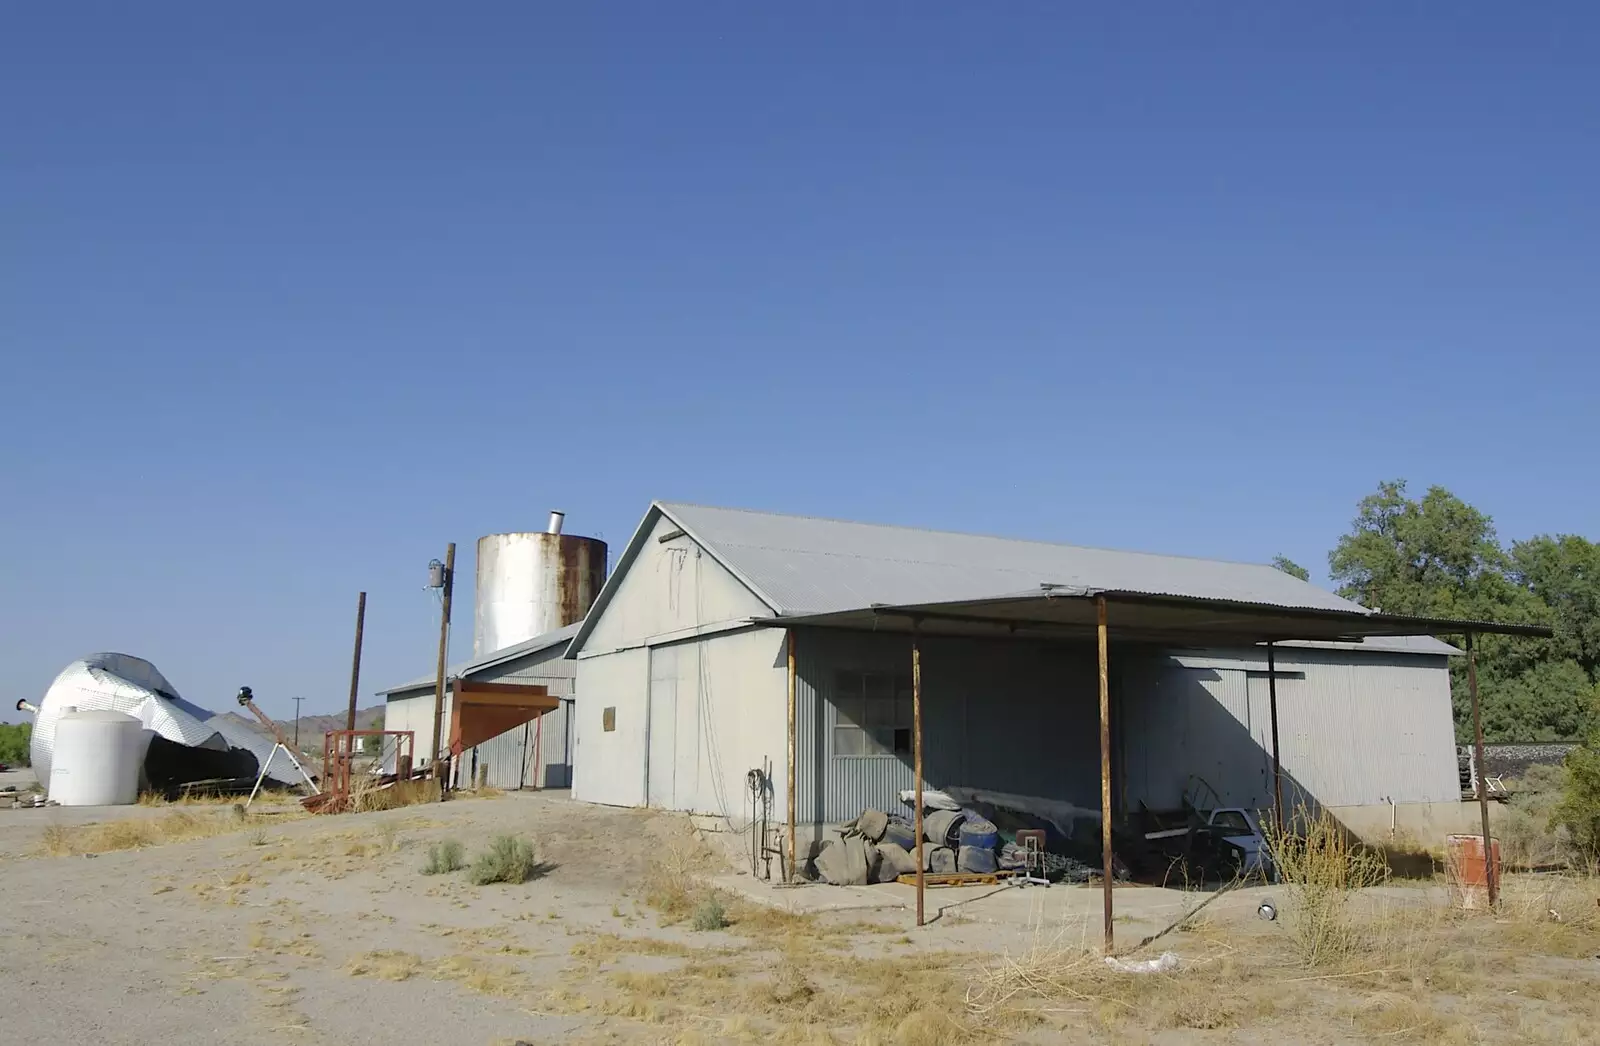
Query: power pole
x=297, y=723
x=355, y=666
x=444, y=651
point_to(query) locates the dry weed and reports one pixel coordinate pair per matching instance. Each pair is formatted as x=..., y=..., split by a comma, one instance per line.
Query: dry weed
x=386, y=965
x=1321, y=868
x=136, y=833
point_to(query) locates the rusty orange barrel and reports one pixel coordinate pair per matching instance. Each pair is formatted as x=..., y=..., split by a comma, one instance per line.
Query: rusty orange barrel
x=1467, y=869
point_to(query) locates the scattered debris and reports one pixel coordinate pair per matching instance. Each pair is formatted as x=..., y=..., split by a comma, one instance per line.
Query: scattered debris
x=1166, y=963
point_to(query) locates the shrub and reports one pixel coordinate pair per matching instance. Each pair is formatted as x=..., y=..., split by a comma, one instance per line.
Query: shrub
x=448, y=856
x=711, y=915
x=508, y=860
x=1320, y=870
x=1528, y=832
x=1579, y=809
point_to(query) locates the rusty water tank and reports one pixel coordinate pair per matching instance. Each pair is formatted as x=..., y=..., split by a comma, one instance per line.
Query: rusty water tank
x=530, y=583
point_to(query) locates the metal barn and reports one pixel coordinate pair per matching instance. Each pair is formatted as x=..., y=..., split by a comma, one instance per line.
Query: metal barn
x=684, y=678
x=535, y=755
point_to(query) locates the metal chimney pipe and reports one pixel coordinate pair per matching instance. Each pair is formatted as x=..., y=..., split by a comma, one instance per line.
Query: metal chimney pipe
x=554, y=526
x=24, y=706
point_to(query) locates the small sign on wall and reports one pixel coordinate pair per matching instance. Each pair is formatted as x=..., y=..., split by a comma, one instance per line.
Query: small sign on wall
x=608, y=719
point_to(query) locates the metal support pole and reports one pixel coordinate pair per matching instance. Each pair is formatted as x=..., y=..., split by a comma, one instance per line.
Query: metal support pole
x=355, y=662
x=916, y=746
x=444, y=652
x=1105, y=768
x=794, y=856
x=297, y=721
x=1277, y=765
x=1483, y=788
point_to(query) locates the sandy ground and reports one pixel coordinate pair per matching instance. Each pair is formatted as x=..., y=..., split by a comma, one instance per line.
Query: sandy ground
x=322, y=930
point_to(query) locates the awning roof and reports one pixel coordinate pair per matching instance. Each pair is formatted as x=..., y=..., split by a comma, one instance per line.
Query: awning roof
x=1070, y=613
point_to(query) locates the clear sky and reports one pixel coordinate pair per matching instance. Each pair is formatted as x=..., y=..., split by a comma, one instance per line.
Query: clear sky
x=293, y=294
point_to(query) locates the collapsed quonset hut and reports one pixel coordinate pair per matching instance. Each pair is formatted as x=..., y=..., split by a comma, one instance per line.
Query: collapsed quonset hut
x=730, y=646
x=187, y=743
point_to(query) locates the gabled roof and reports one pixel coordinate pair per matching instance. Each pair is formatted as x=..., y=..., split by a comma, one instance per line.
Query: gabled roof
x=805, y=567
x=468, y=669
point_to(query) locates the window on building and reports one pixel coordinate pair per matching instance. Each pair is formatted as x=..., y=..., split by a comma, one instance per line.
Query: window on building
x=874, y=714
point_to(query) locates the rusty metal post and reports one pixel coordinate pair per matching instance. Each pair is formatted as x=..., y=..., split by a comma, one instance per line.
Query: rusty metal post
x=916, y=747
x=1483, y=788
x=355, y=663
x=794, y=855
x=1277, y=765
x=1105, y=768
x=444, y=653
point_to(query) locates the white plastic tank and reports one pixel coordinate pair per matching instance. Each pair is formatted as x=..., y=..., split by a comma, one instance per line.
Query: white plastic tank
x=98, y=756
x=533, y=583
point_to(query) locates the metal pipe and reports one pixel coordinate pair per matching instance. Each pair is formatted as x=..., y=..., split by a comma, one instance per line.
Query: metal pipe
x=1105, y=768
x=794, y=858
x=916, y=744
x=23, y=705
x=1483, y=788
x=355, y=663
x=444, y=653
x=554, y=526
x=1277, y=765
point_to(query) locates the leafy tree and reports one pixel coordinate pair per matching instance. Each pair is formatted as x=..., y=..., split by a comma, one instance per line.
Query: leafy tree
x=1290, y=567
x=1437, y=556
x=14, y=741
x=1564, y=573
x=1579, y=809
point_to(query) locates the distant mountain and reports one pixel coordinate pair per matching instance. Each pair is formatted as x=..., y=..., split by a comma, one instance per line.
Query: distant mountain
x=313, y=727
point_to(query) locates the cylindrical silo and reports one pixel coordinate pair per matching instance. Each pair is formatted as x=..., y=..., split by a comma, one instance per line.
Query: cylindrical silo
x=533, y=583
x=98, y=755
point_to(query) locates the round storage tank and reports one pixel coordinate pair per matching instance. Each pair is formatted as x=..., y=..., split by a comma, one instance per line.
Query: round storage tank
x=533, y=583
x=98, y=756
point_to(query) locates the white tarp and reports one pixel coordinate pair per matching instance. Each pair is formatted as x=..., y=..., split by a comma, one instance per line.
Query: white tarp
x=133, y=686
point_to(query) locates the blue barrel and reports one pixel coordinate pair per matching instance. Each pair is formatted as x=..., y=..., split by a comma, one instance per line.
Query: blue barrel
x=977, y=860
x=979, y=832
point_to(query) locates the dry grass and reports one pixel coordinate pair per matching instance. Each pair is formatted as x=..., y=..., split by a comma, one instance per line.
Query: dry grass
x=385, y=965
x=368, y=795
x=1321, y=867
x=136, y=833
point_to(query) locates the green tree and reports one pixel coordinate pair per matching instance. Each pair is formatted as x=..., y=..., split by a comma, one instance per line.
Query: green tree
x=14, y=742
x=1290, y=567
x=1563, y=573
x=1437, y=556
x=1579, y=809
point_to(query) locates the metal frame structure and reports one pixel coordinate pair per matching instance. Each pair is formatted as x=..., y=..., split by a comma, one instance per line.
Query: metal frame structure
x=338, y=757
x=1058, y=613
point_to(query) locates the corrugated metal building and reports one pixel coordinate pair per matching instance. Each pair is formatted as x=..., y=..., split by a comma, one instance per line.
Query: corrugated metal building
x=684, y=681
x=513, y=758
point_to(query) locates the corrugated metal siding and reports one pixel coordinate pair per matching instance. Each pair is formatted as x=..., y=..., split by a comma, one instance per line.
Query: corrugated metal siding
x=1356, y=728
x=510, y=756
x=1009, y=717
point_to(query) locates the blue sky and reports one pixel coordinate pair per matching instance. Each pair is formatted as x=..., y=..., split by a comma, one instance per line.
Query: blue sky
x=291, y=296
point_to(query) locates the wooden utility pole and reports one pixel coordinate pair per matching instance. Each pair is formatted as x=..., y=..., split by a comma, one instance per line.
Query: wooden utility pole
x=444, y=653
x=297, y=723
x=355, y=664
